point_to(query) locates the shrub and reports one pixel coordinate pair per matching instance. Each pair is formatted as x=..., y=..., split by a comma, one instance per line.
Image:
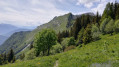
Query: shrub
x=56, y=49
x=22, y=56
x=117, y=26
x=95, y=32
x=103, y=25
x=109, y=29
x=71, y=41
x=64, y=43
x=30, y=55
x=69, y=48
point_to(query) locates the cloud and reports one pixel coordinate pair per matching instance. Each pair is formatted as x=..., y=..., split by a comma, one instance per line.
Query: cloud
x=33, y=13
x=36, y=12
x=87, y=3
x=101, y=6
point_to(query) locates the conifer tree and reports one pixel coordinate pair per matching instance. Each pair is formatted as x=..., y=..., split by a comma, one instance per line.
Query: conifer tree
x=4, y=58
x=87, y=34
x=76, y=28
x=11, y=56
x=1, y=59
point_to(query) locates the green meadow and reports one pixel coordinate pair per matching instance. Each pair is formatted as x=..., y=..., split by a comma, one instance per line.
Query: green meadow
x=104, y=53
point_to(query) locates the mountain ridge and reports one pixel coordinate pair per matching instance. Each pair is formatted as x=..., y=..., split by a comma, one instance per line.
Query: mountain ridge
x=5, y=28
x=59, y=23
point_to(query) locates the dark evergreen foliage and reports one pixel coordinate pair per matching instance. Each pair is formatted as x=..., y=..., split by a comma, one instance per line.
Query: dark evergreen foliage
x=62, y=34
x=111, y=11
x=11, y=57
x=5, y=58
x=87, y=35
x=31, y=46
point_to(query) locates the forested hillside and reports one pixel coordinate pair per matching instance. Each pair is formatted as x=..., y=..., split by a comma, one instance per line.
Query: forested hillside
x=86, y=40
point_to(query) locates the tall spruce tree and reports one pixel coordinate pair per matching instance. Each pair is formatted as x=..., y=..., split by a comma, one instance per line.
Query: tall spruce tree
x=76, y=28
x=11, y=56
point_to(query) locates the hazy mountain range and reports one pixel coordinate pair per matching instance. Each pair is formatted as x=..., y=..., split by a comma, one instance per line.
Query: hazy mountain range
x=6, y=30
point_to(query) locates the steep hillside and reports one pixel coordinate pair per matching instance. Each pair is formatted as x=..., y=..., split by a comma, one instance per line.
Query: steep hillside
x=59, y=23
x=14, y=42
x=20, y=39
x=2, y=39
x=6, y=30
x=94, y=54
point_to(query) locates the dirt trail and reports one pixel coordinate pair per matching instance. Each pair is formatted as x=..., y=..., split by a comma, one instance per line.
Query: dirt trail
x=56, y=64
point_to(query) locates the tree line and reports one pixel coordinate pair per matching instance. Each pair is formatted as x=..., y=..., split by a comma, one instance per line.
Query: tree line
x=7, y=58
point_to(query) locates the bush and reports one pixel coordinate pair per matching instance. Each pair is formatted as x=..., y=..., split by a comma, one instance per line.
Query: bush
x=64, y=43
x=69, y=48
x=103, y=25
x=95, y=32
x=116, y=26
x=71, y=41
x=30, y=55
x=109, y=29
x=56, y=49
x=22, y=56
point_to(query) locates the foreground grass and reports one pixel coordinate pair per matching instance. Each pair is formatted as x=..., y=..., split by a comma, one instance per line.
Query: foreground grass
x=102, y=53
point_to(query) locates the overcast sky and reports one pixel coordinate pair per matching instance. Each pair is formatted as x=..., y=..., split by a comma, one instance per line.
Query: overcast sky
x=37, y=12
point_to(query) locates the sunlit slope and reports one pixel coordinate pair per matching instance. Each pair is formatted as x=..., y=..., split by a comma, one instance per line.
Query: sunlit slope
x=102, y=53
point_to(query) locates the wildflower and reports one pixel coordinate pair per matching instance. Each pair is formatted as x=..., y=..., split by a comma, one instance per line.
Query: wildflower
x=38, y=63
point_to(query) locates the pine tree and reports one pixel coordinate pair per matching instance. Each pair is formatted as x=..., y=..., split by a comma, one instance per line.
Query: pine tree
x=4, y=58
x=76, y=28
x=87, y=34
x=97, y=18
x=117, y=12
x=115, y=9
x=106, y=13
x=11, y=56
x=59, y=37
x=71, y=32
x=1, y=59
x=80, y=36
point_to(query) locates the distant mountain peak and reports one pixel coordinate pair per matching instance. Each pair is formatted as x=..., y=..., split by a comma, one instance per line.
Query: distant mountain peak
x=5, y=28
x=89, y=13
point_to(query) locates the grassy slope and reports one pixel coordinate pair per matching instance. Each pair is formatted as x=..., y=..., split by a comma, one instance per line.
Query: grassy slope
x=93, y=54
